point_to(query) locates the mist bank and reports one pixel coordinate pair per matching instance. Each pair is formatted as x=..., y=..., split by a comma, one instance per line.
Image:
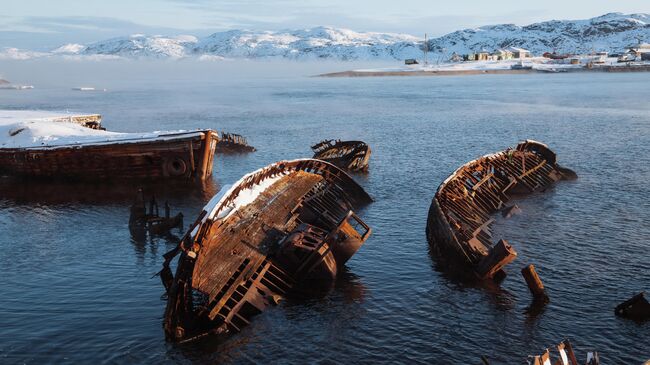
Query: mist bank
x=121, y=73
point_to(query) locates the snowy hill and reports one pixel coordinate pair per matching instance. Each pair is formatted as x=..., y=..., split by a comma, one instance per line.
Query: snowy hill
x=320, y=42
x=610, y=32
x=140, y=45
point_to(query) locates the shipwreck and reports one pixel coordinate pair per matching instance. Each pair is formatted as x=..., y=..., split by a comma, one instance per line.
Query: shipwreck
x=51, y=145
x=233, y=143
x=458, y=224
x=349, y=155
x=280, y=228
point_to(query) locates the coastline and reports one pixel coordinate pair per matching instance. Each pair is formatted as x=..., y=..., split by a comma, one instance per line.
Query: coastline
x=390, y=73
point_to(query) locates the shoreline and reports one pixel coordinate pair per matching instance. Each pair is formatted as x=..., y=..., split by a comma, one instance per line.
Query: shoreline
x=379, y=73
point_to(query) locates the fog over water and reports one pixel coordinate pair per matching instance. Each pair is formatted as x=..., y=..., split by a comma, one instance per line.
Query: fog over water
x=78, y=287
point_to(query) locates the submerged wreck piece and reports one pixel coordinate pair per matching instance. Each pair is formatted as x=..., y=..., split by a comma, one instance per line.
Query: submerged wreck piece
x=458, y=225
x=636, y=308
x=565, y=356
x=150, y=221
x=50, y=145
x=349, y=155
x=233, y=143
x=286, y=225
x=534, y=284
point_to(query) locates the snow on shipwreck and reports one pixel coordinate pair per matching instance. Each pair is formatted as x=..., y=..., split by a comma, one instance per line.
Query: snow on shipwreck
x=286, y=225
x=63, y=145
x=458, y=225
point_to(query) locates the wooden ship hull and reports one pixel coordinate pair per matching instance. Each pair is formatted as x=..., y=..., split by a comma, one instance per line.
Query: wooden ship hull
x=349, y=155
x=177, y=156
x=458, y=224
x=289, y=224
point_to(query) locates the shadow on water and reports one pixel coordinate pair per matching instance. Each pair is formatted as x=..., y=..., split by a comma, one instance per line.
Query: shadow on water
x=500, y=298
x=347, y=289
x=19, y=191
x=144, y=241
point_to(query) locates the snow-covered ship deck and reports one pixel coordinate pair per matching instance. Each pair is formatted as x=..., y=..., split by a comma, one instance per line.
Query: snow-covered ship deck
x=50, y=144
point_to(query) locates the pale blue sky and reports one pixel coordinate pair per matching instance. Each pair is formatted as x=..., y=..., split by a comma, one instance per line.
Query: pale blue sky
x=48, y=22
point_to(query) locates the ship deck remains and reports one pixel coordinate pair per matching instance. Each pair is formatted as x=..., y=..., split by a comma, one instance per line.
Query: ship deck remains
x=289, y=224
x=459, y=220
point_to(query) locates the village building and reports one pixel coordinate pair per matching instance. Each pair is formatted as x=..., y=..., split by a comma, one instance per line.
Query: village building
x=519, y=52
x=640, y=51
x=503, y=54
x=483, y=56
x=455, y=57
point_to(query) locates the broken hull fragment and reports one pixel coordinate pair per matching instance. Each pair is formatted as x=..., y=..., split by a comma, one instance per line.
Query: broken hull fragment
x=179, y=156
x=233, y=143
x=349, y=155
x=458, y=224
x=280, y=227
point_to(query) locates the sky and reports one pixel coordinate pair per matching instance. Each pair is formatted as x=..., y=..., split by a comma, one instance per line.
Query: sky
x=48, y=23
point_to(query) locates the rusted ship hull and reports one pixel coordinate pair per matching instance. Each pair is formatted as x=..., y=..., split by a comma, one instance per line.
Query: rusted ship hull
x=458, y=224
x=179, y=156
x=289, y=223
x=349, y=155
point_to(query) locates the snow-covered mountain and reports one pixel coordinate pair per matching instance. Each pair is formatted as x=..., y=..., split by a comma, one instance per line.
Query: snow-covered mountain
x=315, y=43
x=142, y=46
x=610, y=32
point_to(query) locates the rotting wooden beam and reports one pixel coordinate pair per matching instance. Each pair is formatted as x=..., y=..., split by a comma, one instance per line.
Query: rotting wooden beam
x=205, y=157
x=534, y=283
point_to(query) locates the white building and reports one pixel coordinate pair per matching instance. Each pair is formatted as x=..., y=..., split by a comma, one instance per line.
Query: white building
x=519, y=52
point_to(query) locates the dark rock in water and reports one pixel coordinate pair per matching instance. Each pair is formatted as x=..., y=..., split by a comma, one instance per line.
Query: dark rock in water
x=508, y=212
x=636, y=308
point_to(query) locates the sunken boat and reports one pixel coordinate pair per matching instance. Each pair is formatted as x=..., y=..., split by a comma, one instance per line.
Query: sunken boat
x=459, y=220
x=61, y=145
x=284, y=227
x=349, y=155
x=233, y=143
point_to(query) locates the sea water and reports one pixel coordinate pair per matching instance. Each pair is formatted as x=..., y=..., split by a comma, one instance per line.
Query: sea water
x=77, y=287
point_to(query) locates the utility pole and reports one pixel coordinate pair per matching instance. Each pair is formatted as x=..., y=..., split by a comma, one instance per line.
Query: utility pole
x=426, y=49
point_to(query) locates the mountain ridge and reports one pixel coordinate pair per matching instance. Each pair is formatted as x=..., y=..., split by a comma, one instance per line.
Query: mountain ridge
x=609, y=32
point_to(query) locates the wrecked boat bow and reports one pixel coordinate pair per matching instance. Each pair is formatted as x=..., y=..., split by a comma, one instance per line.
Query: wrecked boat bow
x=349, y=155
x=289, y=223
x=458, y=225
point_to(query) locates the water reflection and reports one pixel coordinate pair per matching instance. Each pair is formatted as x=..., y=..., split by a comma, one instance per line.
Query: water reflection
x=18, y=191
x=305, y=304
x=501, y=299
x=144, y=241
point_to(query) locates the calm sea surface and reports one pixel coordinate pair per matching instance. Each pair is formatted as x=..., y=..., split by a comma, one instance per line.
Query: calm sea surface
x=77, y=288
